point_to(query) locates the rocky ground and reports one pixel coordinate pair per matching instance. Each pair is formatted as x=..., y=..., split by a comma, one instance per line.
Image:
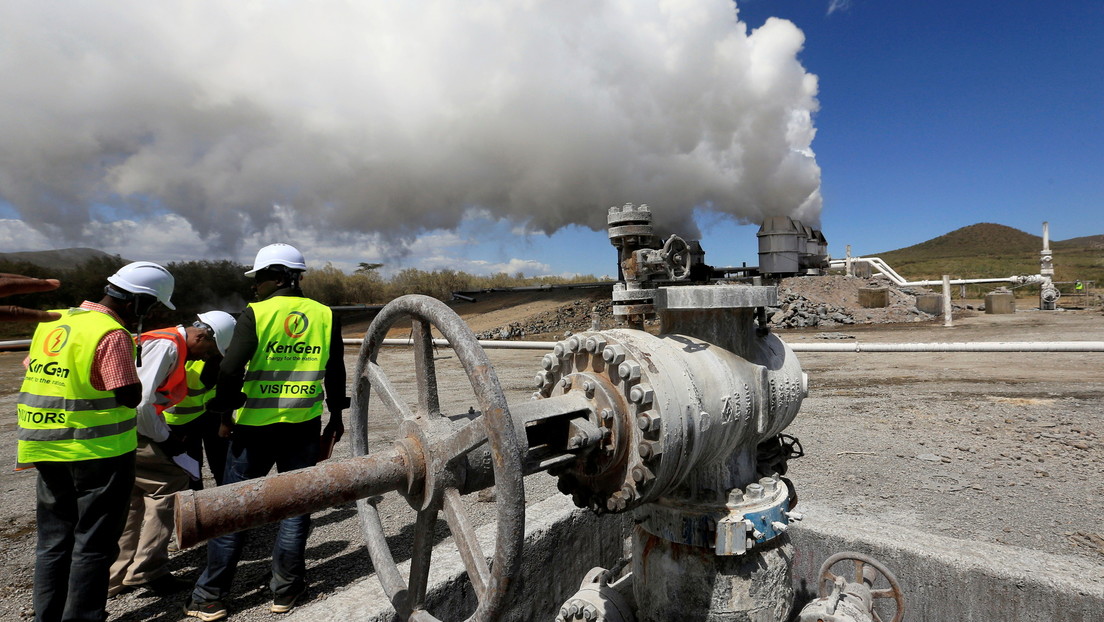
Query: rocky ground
x=997, y=448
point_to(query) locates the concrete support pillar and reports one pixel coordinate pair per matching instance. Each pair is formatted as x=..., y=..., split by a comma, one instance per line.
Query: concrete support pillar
x=947, y=320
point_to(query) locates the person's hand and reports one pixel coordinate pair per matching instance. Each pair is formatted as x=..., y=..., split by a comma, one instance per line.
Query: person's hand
x=173, y=445
x=226, y=424
x=335, y=428
x=19, y=284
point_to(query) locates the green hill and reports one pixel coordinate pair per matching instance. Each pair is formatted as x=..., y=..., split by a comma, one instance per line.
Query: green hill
x=992, y=250
x=61, y=259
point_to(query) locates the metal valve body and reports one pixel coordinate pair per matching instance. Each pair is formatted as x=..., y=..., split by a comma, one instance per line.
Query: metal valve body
x=680, y=418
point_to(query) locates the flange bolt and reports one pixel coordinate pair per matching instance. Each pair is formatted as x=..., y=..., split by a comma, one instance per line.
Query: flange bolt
x=595, y=344
x=641, y=394
x=550, y=362
x=613, y=354
x=754, y=492
x=648, y=421
x=629, y=371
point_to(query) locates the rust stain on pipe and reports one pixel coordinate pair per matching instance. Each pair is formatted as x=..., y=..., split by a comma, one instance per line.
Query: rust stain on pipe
x=226, y=509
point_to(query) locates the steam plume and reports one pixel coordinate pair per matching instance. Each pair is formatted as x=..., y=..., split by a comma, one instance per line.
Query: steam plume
x=397, y=117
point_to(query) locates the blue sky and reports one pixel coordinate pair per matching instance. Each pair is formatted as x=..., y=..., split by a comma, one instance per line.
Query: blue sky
x=928, y=117
x=938, y=115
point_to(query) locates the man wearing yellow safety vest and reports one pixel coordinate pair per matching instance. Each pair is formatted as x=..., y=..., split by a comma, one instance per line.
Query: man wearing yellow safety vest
x=286, y=358
x=143, y=559
x=77, y=427
x=190, y=420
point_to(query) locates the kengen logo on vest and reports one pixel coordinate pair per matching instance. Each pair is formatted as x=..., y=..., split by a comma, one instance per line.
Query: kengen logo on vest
x=295, y=324
x=56, y=340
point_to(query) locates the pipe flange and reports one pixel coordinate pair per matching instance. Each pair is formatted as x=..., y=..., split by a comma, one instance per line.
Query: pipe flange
x=617, y=474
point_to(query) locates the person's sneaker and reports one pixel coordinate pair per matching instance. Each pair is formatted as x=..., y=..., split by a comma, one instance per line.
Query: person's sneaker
x=283, y=603
x=206, y=611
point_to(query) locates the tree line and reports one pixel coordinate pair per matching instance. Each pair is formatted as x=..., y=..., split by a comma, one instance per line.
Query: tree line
x=204, y=285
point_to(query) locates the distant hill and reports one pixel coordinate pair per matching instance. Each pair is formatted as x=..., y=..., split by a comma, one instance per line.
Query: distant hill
x=56, y=259
x=993, y=250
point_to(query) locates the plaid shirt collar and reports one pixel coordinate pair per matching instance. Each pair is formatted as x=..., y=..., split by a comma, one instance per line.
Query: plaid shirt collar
x=95, y=306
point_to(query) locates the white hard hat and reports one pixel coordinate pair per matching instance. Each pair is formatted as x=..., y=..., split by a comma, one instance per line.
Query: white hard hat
x=145, y=277
x=223, y=324
x=278, y=254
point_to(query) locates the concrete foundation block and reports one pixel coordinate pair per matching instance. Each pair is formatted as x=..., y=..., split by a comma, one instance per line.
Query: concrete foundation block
x=873, y=297
x=930, y=303
x=951, y=579
x=1000, y=302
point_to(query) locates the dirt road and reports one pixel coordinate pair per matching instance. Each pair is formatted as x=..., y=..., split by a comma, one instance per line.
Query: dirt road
x=999, y=448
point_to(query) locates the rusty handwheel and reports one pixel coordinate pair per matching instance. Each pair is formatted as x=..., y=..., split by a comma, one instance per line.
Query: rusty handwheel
x=433, y=487
x=863, y=565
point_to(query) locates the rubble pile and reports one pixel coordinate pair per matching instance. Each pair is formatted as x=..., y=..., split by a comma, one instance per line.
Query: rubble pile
x=827, y=301
x=803, y=302
x=573, y=317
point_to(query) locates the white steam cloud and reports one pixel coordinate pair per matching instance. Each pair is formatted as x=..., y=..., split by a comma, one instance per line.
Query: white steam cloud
x=395, y=118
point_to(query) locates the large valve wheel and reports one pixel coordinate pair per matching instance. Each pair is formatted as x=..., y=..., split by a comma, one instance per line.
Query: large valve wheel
x=826, y=579
x=433, y=485
x=676, y=253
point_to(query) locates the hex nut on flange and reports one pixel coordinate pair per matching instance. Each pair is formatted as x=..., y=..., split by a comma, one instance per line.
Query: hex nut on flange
x=550, y=362
x=595, y=344
x=641, y=394
x=613, y=355
x=629, y=371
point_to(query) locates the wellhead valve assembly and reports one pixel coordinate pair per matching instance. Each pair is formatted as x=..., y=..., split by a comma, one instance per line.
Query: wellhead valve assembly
x=681, y=426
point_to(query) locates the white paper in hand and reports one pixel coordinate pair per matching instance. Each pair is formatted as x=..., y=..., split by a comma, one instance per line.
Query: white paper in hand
x=188, y=463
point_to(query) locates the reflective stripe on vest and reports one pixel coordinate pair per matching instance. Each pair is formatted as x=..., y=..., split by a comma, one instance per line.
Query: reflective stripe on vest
x=62, y=418
x=195, y=403
x=175, y=386
x=284, y=378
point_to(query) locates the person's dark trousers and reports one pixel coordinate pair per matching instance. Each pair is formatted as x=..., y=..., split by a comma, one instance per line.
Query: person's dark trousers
x=253, y=452
x=201, y=436
x=82, y=508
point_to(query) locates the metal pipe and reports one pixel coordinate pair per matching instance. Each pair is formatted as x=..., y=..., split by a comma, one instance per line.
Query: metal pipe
x=212, y=512
x=974, y=346
x=971, y=346
x=882, y=267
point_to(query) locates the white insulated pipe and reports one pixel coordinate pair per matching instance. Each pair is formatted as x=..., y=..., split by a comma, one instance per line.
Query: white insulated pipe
x=967, y=346
x=854, y=346
x=882, y=267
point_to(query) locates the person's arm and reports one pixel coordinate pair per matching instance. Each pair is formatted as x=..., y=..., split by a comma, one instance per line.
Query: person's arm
x=334, y=383
x=113, y=368
x=159, y=358
x=231, y=375
x=129, y=395
x=228, y=391
x=209, y=376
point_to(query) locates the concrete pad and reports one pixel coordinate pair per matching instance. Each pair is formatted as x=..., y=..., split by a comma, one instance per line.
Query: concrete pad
x=950, y=579
x=562, y=543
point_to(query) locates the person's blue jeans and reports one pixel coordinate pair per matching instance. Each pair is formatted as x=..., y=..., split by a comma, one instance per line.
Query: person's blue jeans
x=254, y=450
x=82, y=508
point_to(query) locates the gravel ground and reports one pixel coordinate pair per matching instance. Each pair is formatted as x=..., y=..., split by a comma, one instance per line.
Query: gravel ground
x=1000, y=448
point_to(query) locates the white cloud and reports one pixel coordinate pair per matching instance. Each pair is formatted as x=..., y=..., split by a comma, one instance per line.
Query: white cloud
x=377, y=121
x=16, y=235
x=838, y=5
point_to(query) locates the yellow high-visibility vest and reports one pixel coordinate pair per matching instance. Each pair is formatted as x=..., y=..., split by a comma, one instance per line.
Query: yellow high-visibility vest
x=283, y=381
x=195, y=403
x=62, y=418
